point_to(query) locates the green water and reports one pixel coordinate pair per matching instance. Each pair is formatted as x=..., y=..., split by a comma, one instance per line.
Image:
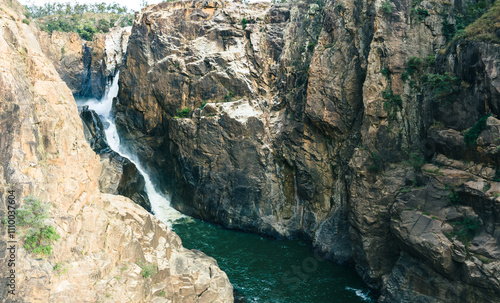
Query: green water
x=269, y=270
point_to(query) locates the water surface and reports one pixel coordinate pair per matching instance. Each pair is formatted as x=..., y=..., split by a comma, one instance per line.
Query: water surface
x=261, y=269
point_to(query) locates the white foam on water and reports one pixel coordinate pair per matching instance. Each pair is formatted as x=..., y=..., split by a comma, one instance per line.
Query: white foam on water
x=160, y=204
x=363, y=295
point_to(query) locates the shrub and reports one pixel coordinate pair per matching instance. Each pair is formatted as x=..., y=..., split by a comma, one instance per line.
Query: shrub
x=387, y=7
x=38, y=236
x=445, y=87
x=147, y=269
x=466, y=229
x=377, y=163
x=422, y=14
x=430, y=60
x=452, y=197
x=244, y=22
x=416, y=161
x=393, y=102
x=405, y=76
x=472, y=134
x=203, y=104
x=413, y=65
x=228, y=97
x=311, y=46
x=26, y=21
x=386, y=73
x=184, y=113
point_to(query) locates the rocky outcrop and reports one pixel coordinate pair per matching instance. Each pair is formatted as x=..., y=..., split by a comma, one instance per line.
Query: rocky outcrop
x=119, y=176
x=87, y=67
x=104, y=239
x=354, y=124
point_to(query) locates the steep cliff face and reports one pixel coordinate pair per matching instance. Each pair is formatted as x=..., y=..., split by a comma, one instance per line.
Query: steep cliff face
x=87, y=67
x=355, y=124
x=103, y=237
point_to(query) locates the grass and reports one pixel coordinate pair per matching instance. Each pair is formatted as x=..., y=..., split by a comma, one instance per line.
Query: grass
x=484, y=260
x=484, y=28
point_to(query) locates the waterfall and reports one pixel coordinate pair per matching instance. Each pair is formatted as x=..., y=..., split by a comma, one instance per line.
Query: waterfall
x=160, y=205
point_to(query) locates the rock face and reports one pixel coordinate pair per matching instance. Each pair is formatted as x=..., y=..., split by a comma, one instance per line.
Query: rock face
x=103, y=237
x=316, y=120
x=86, y=66
x=119, y=176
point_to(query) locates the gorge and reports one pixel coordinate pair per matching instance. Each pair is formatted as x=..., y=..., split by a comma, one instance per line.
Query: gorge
x=366, y=129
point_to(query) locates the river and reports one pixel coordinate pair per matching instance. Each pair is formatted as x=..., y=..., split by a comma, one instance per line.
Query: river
x=261, y=269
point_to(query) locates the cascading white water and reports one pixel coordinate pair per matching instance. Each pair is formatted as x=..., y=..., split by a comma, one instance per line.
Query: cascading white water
x=160, y=205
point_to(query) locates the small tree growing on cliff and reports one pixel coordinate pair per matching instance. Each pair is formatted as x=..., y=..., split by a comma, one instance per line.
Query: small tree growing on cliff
x=37, y=235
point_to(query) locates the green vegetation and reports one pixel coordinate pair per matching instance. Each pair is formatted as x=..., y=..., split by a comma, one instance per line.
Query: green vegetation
x=414, y=64
x=203, y=104
x=387, y=7
x=486, y=186
x=244, y=22
x=465, y=229
x=392, y=103
x=26, y=21
x=147, y=269
x=430, y=60
x=310, y=46
x=84, y=19
x=183, y=113
x=416, y=161
x=161, y=294
x=484, y=28
x=483, y=259
x=452, y=197
x=386, y=73
x=37, y=236
x=420, y=13
x=377, y=164
x=444, y=87
x=228, y=97
x=472, y=134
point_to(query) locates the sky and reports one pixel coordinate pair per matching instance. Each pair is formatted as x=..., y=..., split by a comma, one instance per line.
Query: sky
x=131, y=4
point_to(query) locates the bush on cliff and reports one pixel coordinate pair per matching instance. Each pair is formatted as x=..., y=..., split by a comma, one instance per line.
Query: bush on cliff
x=37, y=235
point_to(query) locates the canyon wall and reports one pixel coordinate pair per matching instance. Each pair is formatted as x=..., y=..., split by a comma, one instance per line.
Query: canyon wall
x=87, y=67
x=357, y=125
x=110, y=249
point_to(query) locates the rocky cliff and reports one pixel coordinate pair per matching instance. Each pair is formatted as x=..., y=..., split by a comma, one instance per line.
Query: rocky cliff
x=362, y=126
x=87, y=67
x=110, y=249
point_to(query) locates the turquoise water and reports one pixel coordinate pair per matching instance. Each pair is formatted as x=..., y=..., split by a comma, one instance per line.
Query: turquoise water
x=260, y=269
x=268, y=270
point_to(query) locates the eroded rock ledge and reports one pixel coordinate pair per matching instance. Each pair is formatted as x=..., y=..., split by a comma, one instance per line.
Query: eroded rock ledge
x=103, y=237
